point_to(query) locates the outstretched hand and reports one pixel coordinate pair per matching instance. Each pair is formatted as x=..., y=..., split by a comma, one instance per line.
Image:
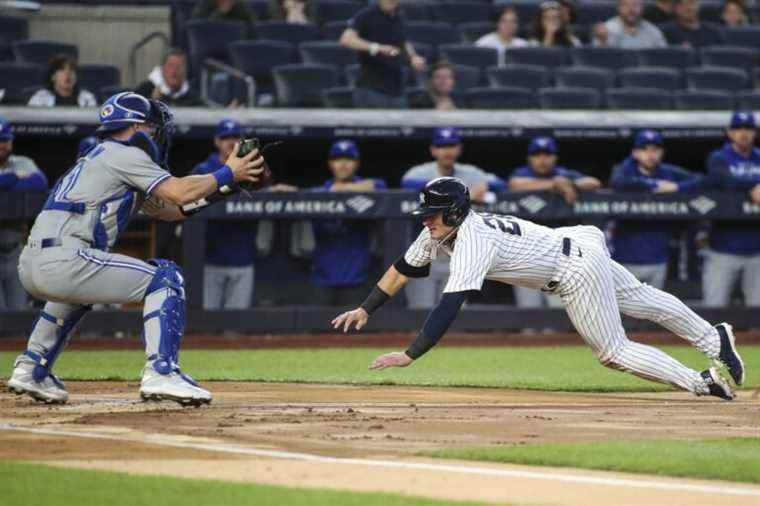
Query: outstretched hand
x=357, y=317
x=395, y=359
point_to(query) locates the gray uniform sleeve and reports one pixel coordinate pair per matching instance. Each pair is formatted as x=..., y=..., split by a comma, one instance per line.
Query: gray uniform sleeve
x=137, y=170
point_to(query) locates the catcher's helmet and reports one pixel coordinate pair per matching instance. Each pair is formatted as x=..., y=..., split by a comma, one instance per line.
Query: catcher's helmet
x=448, y=195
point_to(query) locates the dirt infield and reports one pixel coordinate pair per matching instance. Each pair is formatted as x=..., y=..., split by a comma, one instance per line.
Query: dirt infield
x=281, y=433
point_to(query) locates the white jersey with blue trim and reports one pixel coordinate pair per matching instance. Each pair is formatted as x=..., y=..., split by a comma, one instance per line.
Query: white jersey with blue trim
x=500, y=248
x=95, y=199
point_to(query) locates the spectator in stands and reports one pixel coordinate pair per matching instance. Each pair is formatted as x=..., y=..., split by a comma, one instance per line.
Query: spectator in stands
x=549, y=28
x=61, y=88
x=377, y=32
x=292, y=11
x=660, y=12
x=342, y=256
x=168, y=82
x=734, y=247
x=542, y=173
x=628, y=30
x=17, y=174
x=226, y=10
x=688, y=30
x=446, y=148
x=642, y=246
x=734, y=14
x=228, y=276
x=440, y=89
x=505, y=35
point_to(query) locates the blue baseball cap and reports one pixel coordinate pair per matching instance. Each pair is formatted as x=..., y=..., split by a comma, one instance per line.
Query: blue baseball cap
x=5, y=130
x=647, y=137
x=542, y=144
x=228, y=128
x=344, y=148
x=446, y=136
x=743, y=119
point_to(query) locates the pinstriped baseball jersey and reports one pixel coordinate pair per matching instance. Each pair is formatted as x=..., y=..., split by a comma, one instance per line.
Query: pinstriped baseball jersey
x=499, y=248
x=95, y=199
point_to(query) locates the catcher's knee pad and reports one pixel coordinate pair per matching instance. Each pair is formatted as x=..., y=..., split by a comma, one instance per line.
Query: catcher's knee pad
x=164, y=312
x=52, y=334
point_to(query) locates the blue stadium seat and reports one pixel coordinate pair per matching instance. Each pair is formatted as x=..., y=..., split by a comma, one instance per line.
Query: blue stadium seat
x=466, y=54
x=432, y=33
x=596, y=11
x=95, y=77
x=13, y=28
x=585, y=77
x=338, y=98
x=710, y=11
x=569, y=98
x=40, y=51
x=326, y=11
x=328, y=53
x=651, y=77
x=531, y=77
x=257, y=58
x=646, y=99
x=716, y=78
x=15, y=77
x=427, y=51
x=501, y=98
x=745, y=37
x=334, y=29
x=261, y=8
x=287, y=32
x=526, y=9
x=417, y=11
x=704, y=100
x=463, y=12
x=673, y=57
x=748, y=99
x=409, y=77
x=605, y=57
x=466, y=77
x=730, y=56
x=471, y=32
x=547, y=56
x=6, y=52
x=301, y=85
x=108, y=91
x=211, y=38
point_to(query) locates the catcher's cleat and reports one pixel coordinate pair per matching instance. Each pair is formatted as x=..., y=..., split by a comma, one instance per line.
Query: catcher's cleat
x=50, y=390
x=171, y=385
x=728, y=356
x=716, y=385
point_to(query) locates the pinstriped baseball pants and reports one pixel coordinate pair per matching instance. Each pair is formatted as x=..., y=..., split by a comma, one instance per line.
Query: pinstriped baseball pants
x=595, y=290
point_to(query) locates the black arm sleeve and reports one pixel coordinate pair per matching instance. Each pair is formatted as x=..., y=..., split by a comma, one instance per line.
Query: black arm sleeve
x=411, y=271
x=437, y=323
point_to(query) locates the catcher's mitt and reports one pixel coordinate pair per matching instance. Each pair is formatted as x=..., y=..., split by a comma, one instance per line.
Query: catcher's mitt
x=265, y=179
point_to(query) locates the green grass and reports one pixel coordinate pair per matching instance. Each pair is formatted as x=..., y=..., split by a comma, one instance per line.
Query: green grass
x=570, y=368
x=736, y=459
x=23, y=484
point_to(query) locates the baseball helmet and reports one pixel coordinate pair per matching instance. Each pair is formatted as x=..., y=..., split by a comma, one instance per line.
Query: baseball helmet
x=448, y=195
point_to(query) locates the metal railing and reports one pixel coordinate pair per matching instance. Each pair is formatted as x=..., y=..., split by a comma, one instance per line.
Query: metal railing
x=138, y=46
x=211, y=66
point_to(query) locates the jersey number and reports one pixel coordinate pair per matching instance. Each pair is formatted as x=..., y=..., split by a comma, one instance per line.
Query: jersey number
x=503, y=224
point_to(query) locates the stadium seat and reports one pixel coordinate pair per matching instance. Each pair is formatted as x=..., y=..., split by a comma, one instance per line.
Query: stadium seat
x=6, y=52
x=15, y=77
x=409, y=77
x=466, y=77
x=257, y=58
x=261, y=8
x=108, y=91
x=95, y=77
x=596, y=11
x=531, y=77
x=40, y=51
x=338, y=98
x=287, y=32
x=526, y=9
x=13, y=29
x=748, y=99
x=211, y=38
x=471, y=32
x=710, y=11
x=743, y=58
x=546, y=56
x=334, y=29
x=569, y=98
x=432, y=33
x=301, y=85
x=463, y=12
x=651, y=77
x=467, y=54
x=416, y=95
x=704, y=100
x=672, y=57
x=605, y=57
x=748, y=36
x=326, y=11
x=328, y=53
x=417, y=11
x=585, y=77
x=501, y=98
x=716, y=78
x=646, y=99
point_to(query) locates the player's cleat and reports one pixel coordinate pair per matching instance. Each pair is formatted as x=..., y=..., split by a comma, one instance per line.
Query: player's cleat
x=172, y=385
x=716, y=385
x=728, y=356
x=50, y=390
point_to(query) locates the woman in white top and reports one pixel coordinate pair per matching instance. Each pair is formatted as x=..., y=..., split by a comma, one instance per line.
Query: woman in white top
x=61, y=86
x=505, y=35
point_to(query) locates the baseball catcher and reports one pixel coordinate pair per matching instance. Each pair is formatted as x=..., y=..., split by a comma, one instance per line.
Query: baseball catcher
x=67, y=260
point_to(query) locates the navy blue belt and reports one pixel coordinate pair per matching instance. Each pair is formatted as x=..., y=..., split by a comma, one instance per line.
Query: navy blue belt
x=50, y=242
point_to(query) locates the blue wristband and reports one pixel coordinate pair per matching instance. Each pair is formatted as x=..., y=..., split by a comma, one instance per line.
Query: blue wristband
x=223, y=176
